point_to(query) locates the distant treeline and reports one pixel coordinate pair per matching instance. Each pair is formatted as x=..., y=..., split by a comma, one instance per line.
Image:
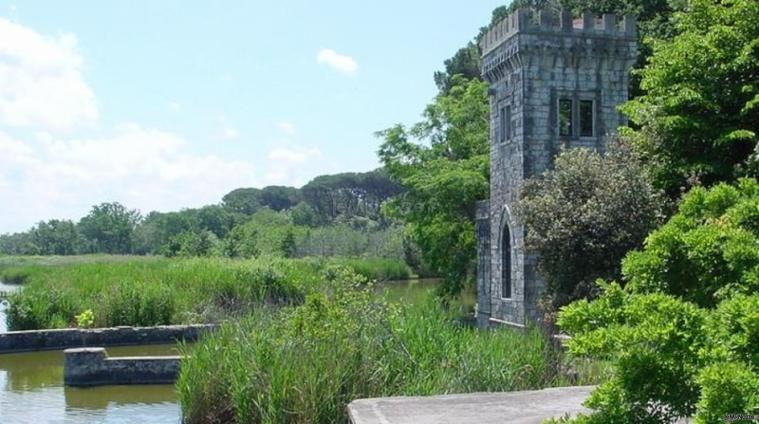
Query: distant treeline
x=332, y=215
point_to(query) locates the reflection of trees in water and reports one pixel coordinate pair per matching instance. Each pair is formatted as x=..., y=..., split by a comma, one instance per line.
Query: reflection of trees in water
x=29, y=371
x=101, y=397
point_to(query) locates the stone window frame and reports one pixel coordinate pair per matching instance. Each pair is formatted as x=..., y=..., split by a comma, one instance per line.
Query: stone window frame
x=505, y=112
x=576, y=97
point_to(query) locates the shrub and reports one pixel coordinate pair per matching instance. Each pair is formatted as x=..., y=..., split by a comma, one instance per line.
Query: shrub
x=727, y=388
x=708, y=251
x=583, y=216
x=653, y=341
x=671, y=359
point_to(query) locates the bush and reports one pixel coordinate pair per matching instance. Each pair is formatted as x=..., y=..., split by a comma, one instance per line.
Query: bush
x=671, y=359
x=683, y=336
x=653, y=341
x=730, y=388
x=583, y=216
x=708, y=251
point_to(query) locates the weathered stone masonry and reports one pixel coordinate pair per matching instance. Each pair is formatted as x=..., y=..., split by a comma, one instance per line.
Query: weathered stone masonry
x=555, y=82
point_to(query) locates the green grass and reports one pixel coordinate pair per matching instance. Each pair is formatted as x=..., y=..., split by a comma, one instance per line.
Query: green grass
x=376, y=269
x=305, y=364
x=154, y=291
x=134, y=290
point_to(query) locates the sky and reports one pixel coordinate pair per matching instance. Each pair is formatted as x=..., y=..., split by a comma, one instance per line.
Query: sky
x=170, y=104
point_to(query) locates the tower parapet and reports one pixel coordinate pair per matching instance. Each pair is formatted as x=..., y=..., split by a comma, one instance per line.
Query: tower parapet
x=542, y=21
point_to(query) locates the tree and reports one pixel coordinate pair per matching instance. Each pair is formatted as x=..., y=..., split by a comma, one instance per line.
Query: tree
x=699, y=117
x=444, y=178
x=243, y=200
x=191, y=244
x=18, y=244
x=304, y=215
x=56, y=237
x=583, y=216
x=215, y=219
x=279, y=198
x=288, y=247
x=108, y=228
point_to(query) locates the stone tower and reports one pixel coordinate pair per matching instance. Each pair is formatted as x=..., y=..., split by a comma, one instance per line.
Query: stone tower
x=555, y=82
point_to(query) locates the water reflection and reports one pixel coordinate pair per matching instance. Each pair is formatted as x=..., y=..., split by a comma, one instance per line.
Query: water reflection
x=31, y=390
x=6, y=288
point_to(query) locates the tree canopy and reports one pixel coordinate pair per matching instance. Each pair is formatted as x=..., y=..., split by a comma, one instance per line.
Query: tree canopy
x=698, y=118
x=443, y=162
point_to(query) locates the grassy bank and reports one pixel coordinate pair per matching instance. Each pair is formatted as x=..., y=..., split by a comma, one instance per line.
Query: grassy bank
x=304, y=364
x=128, y=290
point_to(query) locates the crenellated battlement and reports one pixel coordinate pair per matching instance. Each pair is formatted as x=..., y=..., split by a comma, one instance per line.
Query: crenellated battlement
x=608, y=25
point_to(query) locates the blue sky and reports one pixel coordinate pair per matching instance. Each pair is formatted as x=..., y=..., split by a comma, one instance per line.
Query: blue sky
x=164, y=104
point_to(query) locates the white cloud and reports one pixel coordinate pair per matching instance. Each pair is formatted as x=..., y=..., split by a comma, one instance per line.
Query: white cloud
x=230, y=133
x=294, y=156
x=142, y=168
x=174, y=106
x=341, y=63
x=287, y=127
x=41, y=81
x=289, y=165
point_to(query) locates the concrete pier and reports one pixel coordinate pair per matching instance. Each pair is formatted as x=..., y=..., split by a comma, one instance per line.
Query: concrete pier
x=91, y=366
x=528, y=407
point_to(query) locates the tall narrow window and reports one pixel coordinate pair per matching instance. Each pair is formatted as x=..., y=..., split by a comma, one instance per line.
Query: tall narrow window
x=565, y=117
x=506, y=263
x=586, y=118
x=505, y=123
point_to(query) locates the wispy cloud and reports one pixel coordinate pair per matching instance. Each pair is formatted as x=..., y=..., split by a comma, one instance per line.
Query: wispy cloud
x=42, y=80
x=230, y=133
x=343, y=64
x=287, y=128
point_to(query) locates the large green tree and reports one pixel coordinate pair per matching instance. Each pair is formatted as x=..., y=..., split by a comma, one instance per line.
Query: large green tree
x=108, y=228
x=443, y=162
x=699, y=117
x=56, y=237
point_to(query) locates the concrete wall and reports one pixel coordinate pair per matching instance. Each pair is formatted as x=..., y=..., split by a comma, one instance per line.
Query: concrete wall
x=24, y=341
x=91, y=366
x=531, y=60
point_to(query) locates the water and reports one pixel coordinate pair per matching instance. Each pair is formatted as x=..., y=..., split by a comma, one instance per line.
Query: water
x=7, y=288
x=32, y=391
x=418, y=290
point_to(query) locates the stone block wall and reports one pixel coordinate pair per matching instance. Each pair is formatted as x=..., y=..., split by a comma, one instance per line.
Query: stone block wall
x=33, y=340
x=91, y=366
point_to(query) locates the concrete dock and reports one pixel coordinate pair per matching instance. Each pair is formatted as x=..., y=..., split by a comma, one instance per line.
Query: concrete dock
x=526, y=407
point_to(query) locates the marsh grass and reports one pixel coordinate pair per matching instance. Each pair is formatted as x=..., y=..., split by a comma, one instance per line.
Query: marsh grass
x=143, y=291
x=373, y=269
x=305, y=364
x=154, y=292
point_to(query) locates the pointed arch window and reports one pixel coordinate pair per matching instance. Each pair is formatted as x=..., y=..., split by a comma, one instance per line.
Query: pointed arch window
x=506, y=262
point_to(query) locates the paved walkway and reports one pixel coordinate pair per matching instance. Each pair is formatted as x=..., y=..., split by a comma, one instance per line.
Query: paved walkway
x=481, y=408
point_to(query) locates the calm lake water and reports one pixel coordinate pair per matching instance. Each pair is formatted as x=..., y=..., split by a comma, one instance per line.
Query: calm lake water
x=32, y=391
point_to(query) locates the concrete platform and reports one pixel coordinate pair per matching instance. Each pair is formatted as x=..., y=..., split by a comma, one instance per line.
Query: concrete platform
x=482, y=408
